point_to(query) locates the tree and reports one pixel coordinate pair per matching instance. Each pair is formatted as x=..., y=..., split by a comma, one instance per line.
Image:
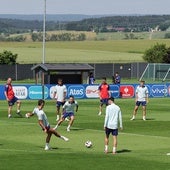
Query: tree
x=159, y=53
x=8, y=58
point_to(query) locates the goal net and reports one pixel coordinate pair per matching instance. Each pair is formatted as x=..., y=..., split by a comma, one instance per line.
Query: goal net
x=156, y=72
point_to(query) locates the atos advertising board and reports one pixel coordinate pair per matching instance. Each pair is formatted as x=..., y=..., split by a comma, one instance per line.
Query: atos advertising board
x=78, y=91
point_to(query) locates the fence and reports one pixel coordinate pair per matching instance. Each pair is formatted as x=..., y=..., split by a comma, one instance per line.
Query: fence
x=23, y=71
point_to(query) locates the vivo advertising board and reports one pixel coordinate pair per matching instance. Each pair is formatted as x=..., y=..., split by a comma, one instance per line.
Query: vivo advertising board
x=159, y=90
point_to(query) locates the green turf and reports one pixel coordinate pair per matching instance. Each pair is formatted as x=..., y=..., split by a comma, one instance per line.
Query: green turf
x=115, y=51
x=142, y=145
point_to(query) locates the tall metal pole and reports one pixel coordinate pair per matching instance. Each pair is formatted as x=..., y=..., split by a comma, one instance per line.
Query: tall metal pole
x=44, y=32
x=43, y=56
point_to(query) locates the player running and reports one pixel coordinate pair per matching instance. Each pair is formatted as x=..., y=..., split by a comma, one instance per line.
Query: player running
x=68, y=111
x=11, y=98
x=44, y=124
x=141, y=99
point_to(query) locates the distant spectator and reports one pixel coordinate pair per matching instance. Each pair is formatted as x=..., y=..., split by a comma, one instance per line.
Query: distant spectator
x=117, y=78
x=91, y=78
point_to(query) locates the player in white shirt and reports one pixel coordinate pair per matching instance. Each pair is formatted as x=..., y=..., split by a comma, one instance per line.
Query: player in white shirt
x=60, y=93
x=44, y=124
x=68, y=111
x=113, y=118
x=141, y=98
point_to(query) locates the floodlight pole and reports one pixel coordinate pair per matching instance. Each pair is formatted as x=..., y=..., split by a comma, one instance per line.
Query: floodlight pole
x=43, y=55
x=44, y=32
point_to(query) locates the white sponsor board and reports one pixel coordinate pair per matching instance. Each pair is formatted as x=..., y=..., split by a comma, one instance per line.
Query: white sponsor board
x=92, y=92
x=21, y=92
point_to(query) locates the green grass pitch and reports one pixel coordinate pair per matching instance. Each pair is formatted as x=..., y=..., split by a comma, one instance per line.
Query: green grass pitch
x=141, y=145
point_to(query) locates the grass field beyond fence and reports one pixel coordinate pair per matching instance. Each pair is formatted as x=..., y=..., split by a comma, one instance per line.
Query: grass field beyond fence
x=141, y=145
x=117, y=51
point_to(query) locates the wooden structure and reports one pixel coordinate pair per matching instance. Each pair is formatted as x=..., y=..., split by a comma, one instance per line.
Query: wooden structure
x=70, y=73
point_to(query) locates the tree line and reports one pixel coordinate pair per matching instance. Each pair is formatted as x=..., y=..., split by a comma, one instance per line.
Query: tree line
x=103, y=24
x=121, y=23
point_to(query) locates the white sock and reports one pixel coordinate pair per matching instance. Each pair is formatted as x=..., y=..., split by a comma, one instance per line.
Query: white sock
x=106, y=147
x=68, y=127
x=18, y=111
x=64, y=138
x=114, y=149
x=55, y=127
x=47, y=144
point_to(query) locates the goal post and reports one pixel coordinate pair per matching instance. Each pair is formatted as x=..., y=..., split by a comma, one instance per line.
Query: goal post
x=156, y=72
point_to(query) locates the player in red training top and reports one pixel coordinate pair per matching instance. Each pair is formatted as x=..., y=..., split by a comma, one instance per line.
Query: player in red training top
x=10, y=97
x=104, y=94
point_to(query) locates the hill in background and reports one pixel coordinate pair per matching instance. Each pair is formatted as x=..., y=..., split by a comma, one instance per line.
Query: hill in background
x=10, y=24
x=50, y=17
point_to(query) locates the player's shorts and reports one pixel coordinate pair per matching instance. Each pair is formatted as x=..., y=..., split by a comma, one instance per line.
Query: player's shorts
x=138, y=103
x=58, y=104
x=114, y=132
x=104, y=101
x=68, y=114
x=47, y=127
x=12, y=101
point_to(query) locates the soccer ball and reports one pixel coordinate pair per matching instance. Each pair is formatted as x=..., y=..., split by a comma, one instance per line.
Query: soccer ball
x=88, y=144
x=27, y=115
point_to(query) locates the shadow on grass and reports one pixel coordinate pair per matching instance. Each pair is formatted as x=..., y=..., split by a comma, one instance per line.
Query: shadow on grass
x=124, y=151
x=54, y=148
x=76, y=129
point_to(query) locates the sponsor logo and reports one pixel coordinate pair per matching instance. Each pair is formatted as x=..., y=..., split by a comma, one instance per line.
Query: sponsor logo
x=77, y=91
x=21, y=92
x=36, y=92
x=92, y=91
x=126, y=91
x=52, y=89
x=114, y=90
x=159, y=90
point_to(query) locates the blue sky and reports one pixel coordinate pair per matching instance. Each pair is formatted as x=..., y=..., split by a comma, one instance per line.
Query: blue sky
x=88, y=7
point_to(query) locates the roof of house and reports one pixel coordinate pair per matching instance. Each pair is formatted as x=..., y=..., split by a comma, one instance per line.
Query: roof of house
x=63, y=67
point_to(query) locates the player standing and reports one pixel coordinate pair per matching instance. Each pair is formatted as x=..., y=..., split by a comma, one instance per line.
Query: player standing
x=11, y=98
x=112, y=118
x=68, y=111
x=104, y=94
x=44, y=124
x=141, y=98
x=60, y=96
